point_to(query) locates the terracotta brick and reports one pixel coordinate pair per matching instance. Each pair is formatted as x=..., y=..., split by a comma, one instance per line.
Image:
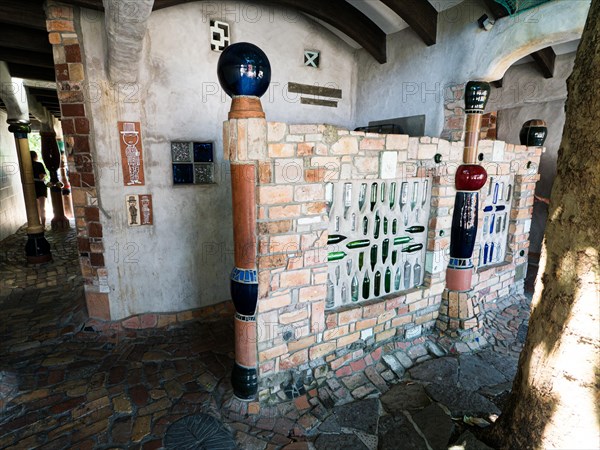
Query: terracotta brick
x=334, y=333
x=60, y=25
x=83, y=244
x=95, y=229
x=372, y=144
x=54, y=38
x=309, y=192
x=73, y=53
x=343, y=372
x=295, y=278
x=92, y=213
x=72, y=110
x=317, y=317
x=269, y=195
x=352, y=315
x=294, y=316
x=283, y=212
x=149, y=320
x=97, y=259
x=274, y=302
x=358, y=366
x=97, y=305
x=272, y=261
x=284, y=244
x=301, y=343
x=81, y=145
x=366, y=323
x=265, y=172
x=272, y=352
x=305, y=149
x=312, y=293
x=87, y=179
x=62, y=72
x=70, y=96
x=76, y=72
x=321, y=350
x=282, y=150
x=347, y=340
x=314, y=175
x=280, y=226
x=82, y=125
x=294, y=360
x=68, y=126
x=384, y=335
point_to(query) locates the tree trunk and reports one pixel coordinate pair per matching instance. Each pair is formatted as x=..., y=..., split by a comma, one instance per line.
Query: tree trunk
x=555, y=401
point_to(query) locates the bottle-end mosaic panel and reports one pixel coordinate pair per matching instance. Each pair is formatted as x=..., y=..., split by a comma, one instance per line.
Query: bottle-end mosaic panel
x=377, y=238
x=496, y=218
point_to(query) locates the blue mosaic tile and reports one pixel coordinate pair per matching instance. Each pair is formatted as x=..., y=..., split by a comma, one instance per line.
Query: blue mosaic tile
x=183, y=174
x=244, y=275
x=203, y=152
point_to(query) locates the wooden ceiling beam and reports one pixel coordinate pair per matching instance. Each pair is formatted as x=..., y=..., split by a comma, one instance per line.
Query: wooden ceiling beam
x=545, y=60
x=29, y=14
x=419, y=15
x=31, y=72
x=15, y=37
x=337, y=13
x=11, y=55
x=44, y=93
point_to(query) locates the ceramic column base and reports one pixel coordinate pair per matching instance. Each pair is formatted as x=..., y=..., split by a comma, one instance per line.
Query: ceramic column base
x=37, y=249
x=459, y=279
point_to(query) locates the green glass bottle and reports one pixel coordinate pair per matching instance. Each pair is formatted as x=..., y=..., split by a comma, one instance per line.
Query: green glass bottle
x=335, y=238
x=359, y=244
x=412, y=248
x=402, y=240
x=377, y=284
x=365, y=226
x=388, y=280
x=415, y=229
x=366, y=288
x=395, y=227
x=361, y=260
x=335, y=256
x=394, y=257
x=385, y=225
x=393, y=195
x=377, y=225
x=385, y=250
x=373, y=196
x=374, y=250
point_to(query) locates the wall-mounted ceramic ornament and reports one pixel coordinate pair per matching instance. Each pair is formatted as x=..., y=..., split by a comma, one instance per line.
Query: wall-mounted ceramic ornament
x=132, y=158
x=139, y=210
x=219, y=35
x=311, y=58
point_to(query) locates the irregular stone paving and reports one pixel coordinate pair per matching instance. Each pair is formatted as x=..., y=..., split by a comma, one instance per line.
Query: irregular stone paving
x=63, y=385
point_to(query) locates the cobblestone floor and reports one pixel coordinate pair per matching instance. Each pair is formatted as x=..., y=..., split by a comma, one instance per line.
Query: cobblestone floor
x=63, y=385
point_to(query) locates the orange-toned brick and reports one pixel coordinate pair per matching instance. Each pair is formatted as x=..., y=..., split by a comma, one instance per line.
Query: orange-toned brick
x=384, y=335
x=60, y=25
x=281, y=150
x=271, y=303
x=272, y=352
x=294, y=360
x=302, y=343
x=347, y=340
x=270, y=195
x=54, y=38
x=314, y=175
x=312, y=293
x=317, y=317
x=321, y=350
x=374, y=310
x=334, y=333
x=352, y=315
x=309, y=193
x=366, y=323
x=283, y=212
x=295, y=278
x=265, y=172
x=305, y=149
x=284, y=244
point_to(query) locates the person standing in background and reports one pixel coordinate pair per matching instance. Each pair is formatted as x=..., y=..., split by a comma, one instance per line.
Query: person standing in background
x=41, y=191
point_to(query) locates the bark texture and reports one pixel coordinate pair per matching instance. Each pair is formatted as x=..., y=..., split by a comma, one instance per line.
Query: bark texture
x=555, y=401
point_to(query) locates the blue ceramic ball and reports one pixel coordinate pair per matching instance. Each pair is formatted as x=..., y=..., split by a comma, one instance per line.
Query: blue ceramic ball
x=244, y=69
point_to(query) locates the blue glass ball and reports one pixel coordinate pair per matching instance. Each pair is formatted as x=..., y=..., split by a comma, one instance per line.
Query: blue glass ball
x=244, y=69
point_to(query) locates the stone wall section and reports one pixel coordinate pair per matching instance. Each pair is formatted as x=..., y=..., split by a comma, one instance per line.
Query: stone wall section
x=297, y=339
x=71, y=87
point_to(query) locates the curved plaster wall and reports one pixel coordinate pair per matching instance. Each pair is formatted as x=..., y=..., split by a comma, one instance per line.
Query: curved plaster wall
x=183, y=261
x=413, y=82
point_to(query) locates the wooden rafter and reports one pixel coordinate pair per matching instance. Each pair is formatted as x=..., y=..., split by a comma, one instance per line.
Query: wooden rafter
x=419, y=15
x=29, y=14
x=12, y=36
x=545, y=60
x=11, y=55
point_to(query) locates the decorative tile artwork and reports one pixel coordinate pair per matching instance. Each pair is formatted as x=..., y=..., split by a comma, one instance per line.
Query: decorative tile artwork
x=132, y=158
x=496, y=217
x=311, y=58
x=139, y=210
x=377, y=238
x=193, y=162
x=219, y=35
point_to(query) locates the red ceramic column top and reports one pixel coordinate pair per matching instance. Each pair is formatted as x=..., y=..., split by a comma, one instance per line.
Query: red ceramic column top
x=470, y=177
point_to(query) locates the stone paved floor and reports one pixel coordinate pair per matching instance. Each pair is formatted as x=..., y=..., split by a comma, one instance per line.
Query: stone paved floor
x=63, y=385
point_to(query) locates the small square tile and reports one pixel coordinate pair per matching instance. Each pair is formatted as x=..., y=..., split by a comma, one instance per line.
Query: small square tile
x=180, y=152
x=203, y=173
x=203, y=152
x=183, y=173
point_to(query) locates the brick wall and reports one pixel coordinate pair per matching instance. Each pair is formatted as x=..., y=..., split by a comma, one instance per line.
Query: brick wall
x=295, y=333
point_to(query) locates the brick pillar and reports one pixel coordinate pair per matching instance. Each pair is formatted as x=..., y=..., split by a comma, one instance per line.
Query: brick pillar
x=70, y=84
